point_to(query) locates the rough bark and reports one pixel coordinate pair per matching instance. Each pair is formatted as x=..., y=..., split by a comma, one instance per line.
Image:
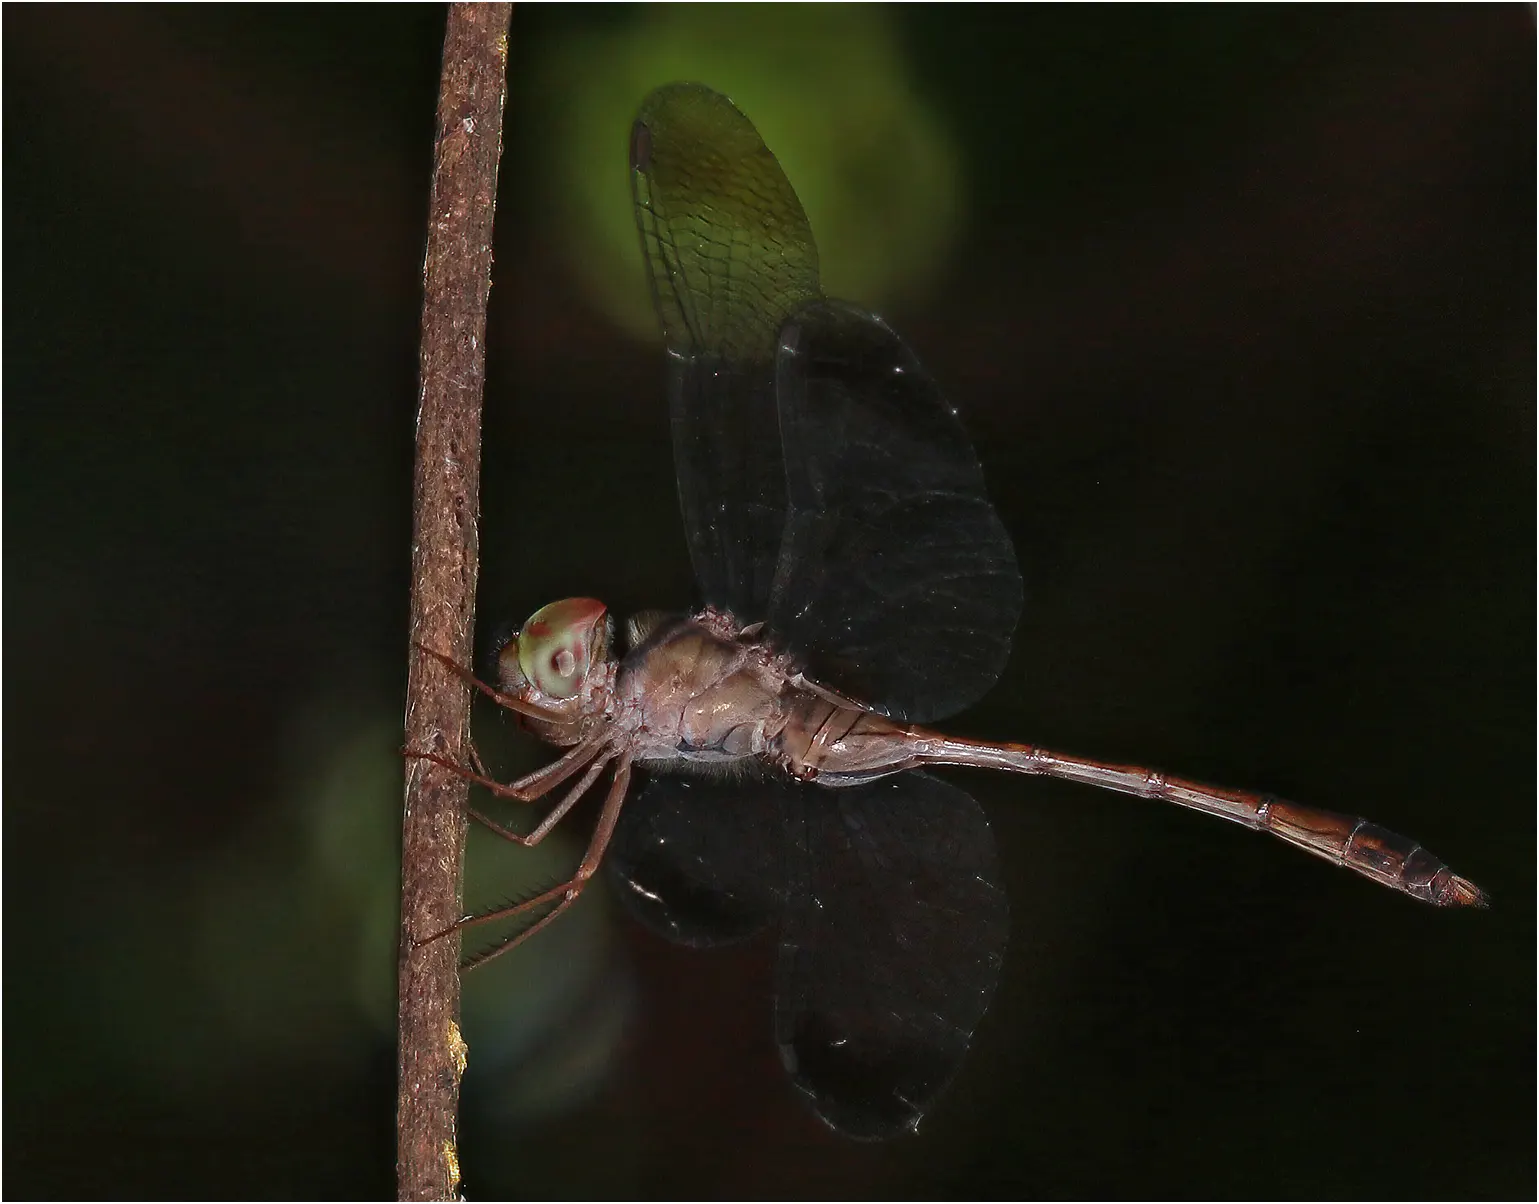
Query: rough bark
x=457, y=280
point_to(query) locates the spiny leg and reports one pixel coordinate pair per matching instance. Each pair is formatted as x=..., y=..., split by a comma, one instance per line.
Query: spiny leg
x=476, y=762
x=532, y=785
x=556, y=813
x=564, y=895
x=508, y=701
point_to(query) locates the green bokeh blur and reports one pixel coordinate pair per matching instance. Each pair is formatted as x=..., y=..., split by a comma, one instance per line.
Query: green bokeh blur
x=829, y=89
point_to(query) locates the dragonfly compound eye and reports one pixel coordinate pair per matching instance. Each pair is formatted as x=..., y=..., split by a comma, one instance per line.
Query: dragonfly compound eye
x=556, y=645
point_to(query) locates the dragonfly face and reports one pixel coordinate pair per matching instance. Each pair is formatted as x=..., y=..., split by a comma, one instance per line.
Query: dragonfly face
x=559, y=665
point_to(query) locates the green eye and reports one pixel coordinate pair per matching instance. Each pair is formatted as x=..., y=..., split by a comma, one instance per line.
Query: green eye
x=555, y=645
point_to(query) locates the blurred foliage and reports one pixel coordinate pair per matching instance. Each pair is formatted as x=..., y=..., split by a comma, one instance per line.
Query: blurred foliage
x=292, y=957
x=828, y=88
x=526, y=1057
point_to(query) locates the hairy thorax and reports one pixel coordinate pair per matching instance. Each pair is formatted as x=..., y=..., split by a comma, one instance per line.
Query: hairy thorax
x=696, y=697
x=698, y=693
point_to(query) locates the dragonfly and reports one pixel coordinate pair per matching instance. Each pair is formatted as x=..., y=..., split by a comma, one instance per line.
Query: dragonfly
x=855, y=586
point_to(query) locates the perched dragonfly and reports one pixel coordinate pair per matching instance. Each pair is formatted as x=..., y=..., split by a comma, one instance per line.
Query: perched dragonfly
x=854, y=584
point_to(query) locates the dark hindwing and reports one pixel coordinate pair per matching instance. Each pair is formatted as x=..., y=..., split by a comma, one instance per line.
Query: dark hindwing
x=699, y=860
x=892, y=922
x=897, y=583
x=892, y=938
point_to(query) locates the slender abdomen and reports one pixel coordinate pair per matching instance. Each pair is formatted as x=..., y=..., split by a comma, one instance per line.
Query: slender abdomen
x=1387, y=857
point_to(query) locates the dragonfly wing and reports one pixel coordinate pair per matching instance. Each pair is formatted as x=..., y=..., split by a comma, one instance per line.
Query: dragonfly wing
x=824, y=481
x=897, y=583
x=729, y=254
x=699, y=860
x=892, y=938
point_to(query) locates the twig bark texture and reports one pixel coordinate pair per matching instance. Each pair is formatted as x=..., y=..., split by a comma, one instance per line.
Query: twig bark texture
x=457, y=279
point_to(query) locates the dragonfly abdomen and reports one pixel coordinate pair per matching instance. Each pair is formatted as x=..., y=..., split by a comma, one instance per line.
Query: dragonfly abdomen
x=1387, y=857
x=840, y=745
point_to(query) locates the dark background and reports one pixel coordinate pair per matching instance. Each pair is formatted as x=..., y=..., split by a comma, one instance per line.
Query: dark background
x=1240, y=310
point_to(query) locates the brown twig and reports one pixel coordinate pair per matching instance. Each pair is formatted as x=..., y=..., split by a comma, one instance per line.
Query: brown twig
x=457, y=279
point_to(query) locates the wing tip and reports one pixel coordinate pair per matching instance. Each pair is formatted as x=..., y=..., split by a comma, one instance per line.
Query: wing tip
x=641, y=145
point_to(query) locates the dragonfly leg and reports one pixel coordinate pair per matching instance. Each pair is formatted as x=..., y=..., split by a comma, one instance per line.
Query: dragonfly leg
x=532, y=785
x=476, y=762
x=564, y=895
x=509, y=701
x=556, y=813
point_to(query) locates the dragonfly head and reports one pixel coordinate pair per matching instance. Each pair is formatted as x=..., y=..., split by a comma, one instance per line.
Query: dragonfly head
x=550, y=663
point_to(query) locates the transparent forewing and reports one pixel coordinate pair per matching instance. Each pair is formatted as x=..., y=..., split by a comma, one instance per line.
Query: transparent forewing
x=727, y=244
x=729, y=254
x=892, y=938
x=825, y=483
x=896, y=582
x=700, y=861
